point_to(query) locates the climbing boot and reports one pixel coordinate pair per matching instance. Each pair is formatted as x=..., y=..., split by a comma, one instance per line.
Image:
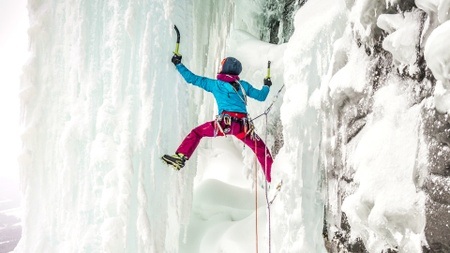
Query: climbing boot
x=177, y=160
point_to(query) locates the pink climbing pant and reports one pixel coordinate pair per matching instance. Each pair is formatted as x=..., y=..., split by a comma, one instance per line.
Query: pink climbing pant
x=208, y=129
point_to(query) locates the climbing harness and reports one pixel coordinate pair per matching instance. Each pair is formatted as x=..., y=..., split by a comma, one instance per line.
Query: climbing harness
x=224, y=121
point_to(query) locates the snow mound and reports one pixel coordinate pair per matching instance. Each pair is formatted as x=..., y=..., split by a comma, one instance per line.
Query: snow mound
x=437, y=55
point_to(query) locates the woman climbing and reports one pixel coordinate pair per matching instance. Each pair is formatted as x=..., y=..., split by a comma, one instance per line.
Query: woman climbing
x=231, y=97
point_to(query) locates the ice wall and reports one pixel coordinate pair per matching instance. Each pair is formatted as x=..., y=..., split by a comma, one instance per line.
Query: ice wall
x=101, y=102
x=299, y=212
x=99, y=98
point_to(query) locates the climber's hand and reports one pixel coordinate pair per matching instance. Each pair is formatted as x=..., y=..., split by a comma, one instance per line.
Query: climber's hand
x=268, y=81
x=176, y=59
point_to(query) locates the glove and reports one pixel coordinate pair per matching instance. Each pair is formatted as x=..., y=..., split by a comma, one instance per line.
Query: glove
x=176, y=59
x=268, y=81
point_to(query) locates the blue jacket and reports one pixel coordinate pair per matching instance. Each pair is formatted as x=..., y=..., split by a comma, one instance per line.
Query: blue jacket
x=226, y=97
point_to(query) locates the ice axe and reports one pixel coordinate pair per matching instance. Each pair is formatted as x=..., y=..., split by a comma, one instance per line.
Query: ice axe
x=177, y=45
x=268, y=70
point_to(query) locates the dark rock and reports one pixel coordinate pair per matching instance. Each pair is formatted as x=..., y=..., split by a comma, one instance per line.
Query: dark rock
x=437, y=230
x=438, y=189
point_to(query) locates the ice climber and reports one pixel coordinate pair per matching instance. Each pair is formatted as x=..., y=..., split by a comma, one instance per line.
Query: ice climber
x=231, y=95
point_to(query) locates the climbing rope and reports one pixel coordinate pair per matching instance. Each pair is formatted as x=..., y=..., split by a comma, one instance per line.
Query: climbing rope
x=275, y=98
x=265, y=182
x=265, y=191
x=256, y=201
x=265, y=113
x=265, y=188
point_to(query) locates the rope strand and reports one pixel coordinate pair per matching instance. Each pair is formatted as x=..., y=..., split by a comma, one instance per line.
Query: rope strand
x=265, y=189
x=265, y=174
x=271, y=104
x=256, y=201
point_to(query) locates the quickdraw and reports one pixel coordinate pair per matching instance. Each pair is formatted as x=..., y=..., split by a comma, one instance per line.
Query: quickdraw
x=227, y=119
x=218, y=127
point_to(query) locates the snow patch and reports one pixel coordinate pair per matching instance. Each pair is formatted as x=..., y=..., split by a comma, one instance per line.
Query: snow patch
x=403, y=35
x=384, y=159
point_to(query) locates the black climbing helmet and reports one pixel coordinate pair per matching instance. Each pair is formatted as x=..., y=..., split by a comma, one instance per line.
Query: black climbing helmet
x=231, y=66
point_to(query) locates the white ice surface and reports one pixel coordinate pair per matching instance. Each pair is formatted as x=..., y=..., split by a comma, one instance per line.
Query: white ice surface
x=102, y=102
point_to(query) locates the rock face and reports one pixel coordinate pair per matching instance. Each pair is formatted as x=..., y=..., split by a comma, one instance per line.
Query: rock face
x=277, y=19
x=347, y=118
x=437, y=184
x=390, y=38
